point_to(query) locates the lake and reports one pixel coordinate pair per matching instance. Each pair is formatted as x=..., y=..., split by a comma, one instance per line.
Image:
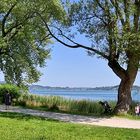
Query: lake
x=89, y=95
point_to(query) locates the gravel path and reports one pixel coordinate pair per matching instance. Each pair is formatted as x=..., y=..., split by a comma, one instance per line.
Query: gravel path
x=111, y=122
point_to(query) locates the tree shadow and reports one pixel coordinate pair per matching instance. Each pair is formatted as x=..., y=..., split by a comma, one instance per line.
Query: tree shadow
x=21, y=116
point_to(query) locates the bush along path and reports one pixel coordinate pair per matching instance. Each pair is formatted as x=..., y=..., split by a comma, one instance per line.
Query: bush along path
x=103, y=121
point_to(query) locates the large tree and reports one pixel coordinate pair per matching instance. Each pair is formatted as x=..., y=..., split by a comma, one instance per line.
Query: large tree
x=113, y=27
x=23, y=37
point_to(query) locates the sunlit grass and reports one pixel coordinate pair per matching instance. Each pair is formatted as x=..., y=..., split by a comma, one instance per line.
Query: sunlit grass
x=15, y=126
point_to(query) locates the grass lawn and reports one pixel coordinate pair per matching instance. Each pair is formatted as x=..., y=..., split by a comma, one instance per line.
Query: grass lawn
x=15, y=126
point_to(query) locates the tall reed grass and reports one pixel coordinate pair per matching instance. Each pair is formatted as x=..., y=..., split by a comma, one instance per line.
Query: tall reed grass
x=61, y=104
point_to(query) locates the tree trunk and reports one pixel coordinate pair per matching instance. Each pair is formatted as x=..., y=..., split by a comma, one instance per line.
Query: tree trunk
x=127, y=77
x=124, y=97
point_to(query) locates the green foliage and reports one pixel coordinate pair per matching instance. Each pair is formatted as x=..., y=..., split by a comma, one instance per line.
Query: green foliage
x=46, y=102
x=111, y=26
x=24, y=37
x=15, y=126
x=56, y=103
x=85, y=107
x=12, y=89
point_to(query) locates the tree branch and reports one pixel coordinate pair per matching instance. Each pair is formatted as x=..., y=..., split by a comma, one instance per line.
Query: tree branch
x=126, y=10
x=100, y=5
x=117, y=69
x=18, y=25
x=118, y=10
x=136, y=15
x=46, y=37
x=5, y=18
x=99, y=17
x=17, y=30
x=77, y=45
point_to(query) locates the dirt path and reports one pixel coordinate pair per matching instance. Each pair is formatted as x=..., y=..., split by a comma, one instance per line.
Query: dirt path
x=111, y=122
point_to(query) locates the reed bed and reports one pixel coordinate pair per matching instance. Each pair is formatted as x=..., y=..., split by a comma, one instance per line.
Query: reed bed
x=61, y=104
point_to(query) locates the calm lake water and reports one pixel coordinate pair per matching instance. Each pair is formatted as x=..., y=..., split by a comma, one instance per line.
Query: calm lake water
x=90, y=95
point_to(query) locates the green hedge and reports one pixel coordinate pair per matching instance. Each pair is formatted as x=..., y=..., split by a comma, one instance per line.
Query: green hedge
x=12, y=89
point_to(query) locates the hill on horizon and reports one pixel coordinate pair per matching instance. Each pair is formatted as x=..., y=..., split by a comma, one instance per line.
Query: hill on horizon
x=39, y=87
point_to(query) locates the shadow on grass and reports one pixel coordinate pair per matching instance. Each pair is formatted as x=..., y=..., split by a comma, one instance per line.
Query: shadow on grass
x=21, y=116
x=100, y=115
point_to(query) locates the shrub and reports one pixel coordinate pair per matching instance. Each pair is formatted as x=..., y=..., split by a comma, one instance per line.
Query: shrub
x=12, y=89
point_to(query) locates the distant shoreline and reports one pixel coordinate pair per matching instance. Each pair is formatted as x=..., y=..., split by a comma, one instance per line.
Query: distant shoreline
x=35, y=87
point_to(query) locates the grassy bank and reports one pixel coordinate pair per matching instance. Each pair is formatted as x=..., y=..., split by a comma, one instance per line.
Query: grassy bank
x=22, y=127
x=60, y=104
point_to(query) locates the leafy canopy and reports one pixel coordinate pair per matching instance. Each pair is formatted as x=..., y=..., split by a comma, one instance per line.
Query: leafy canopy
x=111, y=25
x=23, y=37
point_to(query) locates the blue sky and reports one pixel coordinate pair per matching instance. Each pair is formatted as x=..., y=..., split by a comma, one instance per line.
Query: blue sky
x=74, y=68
